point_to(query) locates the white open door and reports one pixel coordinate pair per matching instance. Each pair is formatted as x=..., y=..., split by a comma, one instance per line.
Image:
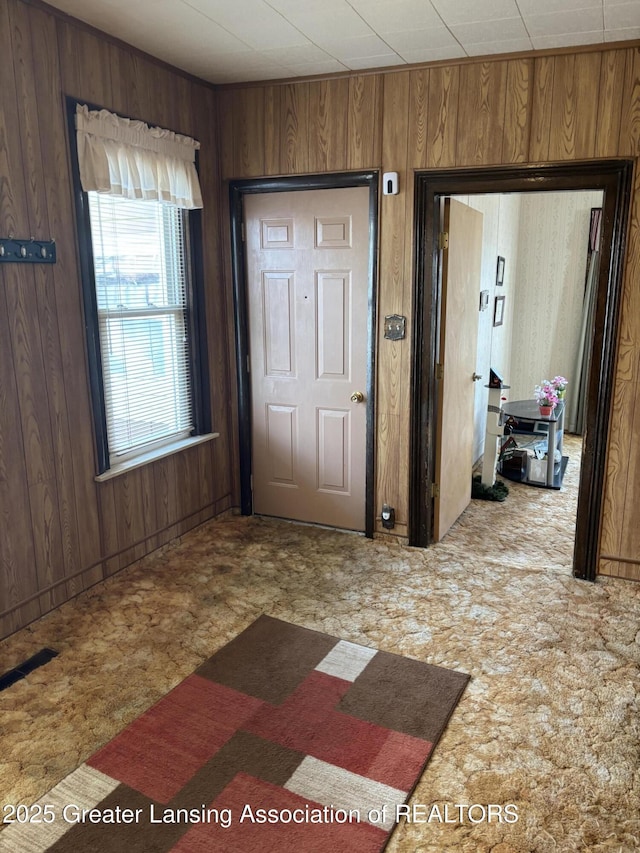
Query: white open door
x=461, y=275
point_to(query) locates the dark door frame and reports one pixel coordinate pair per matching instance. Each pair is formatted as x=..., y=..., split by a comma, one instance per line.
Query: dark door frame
x=614, y=178
x=237, y=190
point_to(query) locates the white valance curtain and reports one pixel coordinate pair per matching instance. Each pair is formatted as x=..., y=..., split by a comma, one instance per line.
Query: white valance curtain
x=127, y=158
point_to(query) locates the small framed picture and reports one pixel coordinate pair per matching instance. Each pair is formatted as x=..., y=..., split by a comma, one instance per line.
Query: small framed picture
x=498, y=311
x=500, y=271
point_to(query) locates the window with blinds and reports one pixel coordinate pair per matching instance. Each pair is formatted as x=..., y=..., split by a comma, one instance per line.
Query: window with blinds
x=140, y=264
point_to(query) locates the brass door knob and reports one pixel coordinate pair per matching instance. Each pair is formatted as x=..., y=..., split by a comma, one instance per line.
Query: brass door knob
x=357, y=397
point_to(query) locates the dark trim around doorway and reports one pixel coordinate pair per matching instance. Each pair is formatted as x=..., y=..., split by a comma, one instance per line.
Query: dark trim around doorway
x=614, y=178
x=237, y=190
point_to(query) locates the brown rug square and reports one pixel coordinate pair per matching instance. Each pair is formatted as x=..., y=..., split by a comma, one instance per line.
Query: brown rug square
x=286, y=740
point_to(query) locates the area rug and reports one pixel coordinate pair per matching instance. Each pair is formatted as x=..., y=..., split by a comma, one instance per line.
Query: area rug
x=285, y=741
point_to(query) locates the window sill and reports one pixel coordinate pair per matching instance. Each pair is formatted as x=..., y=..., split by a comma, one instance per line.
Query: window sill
x=154, y=455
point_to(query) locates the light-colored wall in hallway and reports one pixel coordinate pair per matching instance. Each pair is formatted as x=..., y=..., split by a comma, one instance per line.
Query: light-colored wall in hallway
x=500, y=238
x=551, y=271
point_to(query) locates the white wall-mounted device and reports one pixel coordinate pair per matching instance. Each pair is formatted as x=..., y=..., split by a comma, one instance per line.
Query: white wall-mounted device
x=390, y=183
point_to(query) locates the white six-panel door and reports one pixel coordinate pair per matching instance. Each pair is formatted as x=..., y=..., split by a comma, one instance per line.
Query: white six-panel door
x=307, y=270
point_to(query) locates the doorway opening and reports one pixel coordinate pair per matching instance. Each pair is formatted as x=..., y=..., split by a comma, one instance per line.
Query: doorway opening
x=611, y=178
x=297, y=317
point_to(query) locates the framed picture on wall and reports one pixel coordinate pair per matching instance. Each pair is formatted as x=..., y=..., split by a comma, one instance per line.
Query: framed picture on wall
x=500, y=271
x=498, y=311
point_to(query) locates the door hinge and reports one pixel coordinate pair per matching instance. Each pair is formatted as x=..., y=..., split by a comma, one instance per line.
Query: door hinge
x=443, y=240
x=435, y=490
x=439, y=372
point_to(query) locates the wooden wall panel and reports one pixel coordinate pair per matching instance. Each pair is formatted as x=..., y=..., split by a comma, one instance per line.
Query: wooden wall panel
x=517, y=125
x=392, y=382
x=85, y=65
x=419, y=118
x=630, y=106
x=60, y=530
x=539, y=139
x=328, y=105
x=364, y=122
x=68, y=391
x=620, y=569
x=442, y=125
x=481, y=113
x=248, y=132
x=294, y=129
x=271, y=130
x=574, y=109
x=612, y=76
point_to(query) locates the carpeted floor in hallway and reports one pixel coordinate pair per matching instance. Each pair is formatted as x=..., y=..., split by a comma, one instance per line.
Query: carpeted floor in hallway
x=549, y=721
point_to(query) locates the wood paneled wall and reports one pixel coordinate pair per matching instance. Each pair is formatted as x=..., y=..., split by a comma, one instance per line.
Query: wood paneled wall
x=60, y=531
x=535, y=109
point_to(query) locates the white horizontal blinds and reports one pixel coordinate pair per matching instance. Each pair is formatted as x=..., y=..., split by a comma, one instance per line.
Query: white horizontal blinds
x=139, y=263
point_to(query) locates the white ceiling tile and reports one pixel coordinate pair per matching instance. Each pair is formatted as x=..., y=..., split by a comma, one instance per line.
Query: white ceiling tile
x=381, y=15
x=557, y=23
x=623, y=16
x=330, y=66
x=299, y=53
x=484, y=48
x=384, y=61
x=567, y=40
x=541, y=7
x=464, y=11
x=322, y=20
x=420, y=40
x=434, y=54
x=622, y=35
x=251, y=20
x=352, y=48
x=265, y=39
x=503, y=30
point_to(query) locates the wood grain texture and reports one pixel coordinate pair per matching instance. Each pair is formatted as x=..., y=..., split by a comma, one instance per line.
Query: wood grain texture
x=294, y=129
x=612, y=77
x=442, y=119
x=615, y=492
x=419, y=118
x=629, y=145
x=225, y=115
x=272, y=145
x=481, y=113
x=618, y=569
x=574, y=108
x=248, y=132
x=392, y=479
x=61, y=327
x=18, y=577
x=539, y=139
x=517, y=125
x=328, y=100
x=364, y=125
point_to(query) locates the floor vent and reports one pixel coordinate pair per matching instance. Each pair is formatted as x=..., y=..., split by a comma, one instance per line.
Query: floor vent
x=27, y=666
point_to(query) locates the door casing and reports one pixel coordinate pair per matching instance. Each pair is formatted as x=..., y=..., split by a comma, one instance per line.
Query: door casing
x=237, y=190
x=614, y=178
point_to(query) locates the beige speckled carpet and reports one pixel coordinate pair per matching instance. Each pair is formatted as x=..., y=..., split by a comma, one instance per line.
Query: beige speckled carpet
x=549, y=721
